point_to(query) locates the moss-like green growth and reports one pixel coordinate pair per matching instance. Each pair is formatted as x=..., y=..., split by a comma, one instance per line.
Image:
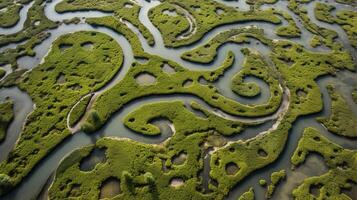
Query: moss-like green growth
x=124, y=10
x=262, y=182
x=299, y=68
x=289, y=31
x=129, y=161
x=69, y=71
x=342, y=121
x=81, y=63
x=248, y=195
x=184, y=121
x=10, y=12
x=6, y=116
x=276, y=178
x=354, y=94
x=2, y=73
x=11, y=16
x=346, y=19
x=315, y=41
x=305, y=98
x=10, y=56
x=182, y=81
x=202, y=16
x=348, y=2
x=256, y=66
x=35, y=23
x=78, y=110
x=341, y=162
x=74, y=20
x=119, y=27
x=208, y=52
x=322, y=12
x=12, y=79
x=171, y=20
x=328, y=37
x=256, y=4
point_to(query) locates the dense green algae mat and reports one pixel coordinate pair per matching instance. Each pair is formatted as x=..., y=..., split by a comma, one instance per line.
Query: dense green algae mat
x=76, y=90
x=7, y=115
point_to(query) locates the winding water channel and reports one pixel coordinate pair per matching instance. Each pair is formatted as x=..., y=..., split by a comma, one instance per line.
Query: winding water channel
x=23, y=104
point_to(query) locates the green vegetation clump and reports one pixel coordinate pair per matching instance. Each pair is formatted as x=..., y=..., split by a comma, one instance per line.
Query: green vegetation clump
x=11, y=16
x=304, y=97
x=276, y=178
x=322, y=12
x=256, y=4
x=36, y=22
x=33, y=33
x=10, y=12
x=348, y=21
x=348, y=2
x=183, y=120
x=182, y=81
x=354, y=94
x=123, y=10
x=208, y=52
x=328, y=37
x=6, y=116
x=69, y=71
x=131, y=162
x=291, y=60
x=5, y=183
x=2, y=73
x=341, y=121
x=248, y=195
x=262, y=182
x=341, y=163
x=81, y=63
x=12, y=79
x=203, y=16
x=315, y=41
x=78, y=110
x=289, y=31
x=10, y=56
x=171, y=20
x=345, y=18
x=256, y=66
x=74, y=20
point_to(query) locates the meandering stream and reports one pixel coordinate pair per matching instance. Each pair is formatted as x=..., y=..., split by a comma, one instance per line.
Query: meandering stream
x=114, y=127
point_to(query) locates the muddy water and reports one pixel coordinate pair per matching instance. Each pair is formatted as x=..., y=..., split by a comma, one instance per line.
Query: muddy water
x=115, y=127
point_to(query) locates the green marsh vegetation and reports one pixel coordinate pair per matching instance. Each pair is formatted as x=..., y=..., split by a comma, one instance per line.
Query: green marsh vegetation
x=341, y=163
x=79, y=64
x=124, y=10
x=6, y=116
x=9, y=12
x=2, y=73
x=78, y=110
x=202, y=16
x=249, y=195
x=342, y=120
x=69, y=72
x=290, y=60
x=345, y=18
x=33, y=33
x=275, y=178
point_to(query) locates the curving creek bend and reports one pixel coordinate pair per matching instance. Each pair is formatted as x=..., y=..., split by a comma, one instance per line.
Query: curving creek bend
x=38, y=181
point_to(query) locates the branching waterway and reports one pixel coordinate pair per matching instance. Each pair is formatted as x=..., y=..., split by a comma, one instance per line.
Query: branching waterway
x=115, y=127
